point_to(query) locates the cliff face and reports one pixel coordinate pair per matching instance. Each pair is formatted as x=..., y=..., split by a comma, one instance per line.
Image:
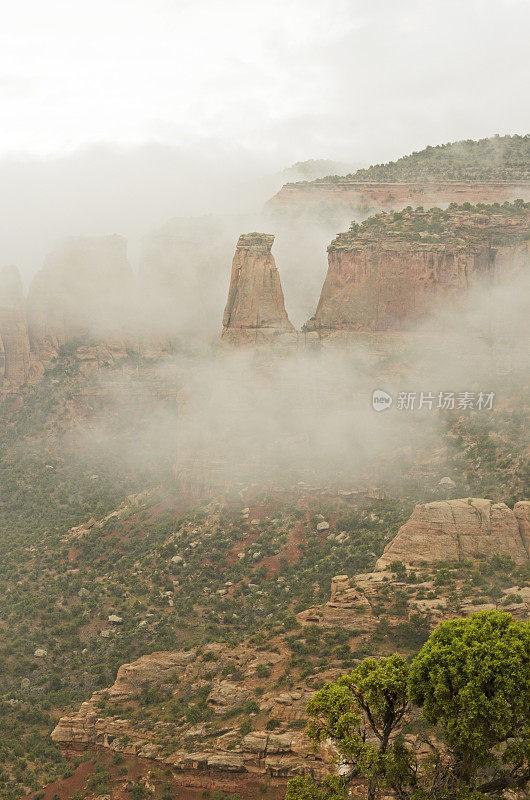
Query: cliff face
x=485, y=171
x=255, y=309
x=330, y=198
x=215, y=746
x=17, y=360
x=386, y=273
x=461, y=529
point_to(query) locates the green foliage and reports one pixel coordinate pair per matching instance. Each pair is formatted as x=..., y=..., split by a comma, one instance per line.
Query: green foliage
x=505, y=223
x=374, y=696
x=473, y=678
x=304, y=788
x=501, y=157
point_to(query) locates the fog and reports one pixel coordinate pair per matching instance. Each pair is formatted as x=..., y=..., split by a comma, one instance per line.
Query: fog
x=117, y=117
x=172, y=124
x=275, y=417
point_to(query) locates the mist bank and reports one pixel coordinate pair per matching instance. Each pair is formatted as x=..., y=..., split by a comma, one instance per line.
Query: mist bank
x=108, y=189
x=239, y=416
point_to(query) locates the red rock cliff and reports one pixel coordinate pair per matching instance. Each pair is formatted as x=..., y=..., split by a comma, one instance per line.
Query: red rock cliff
x=327, y=198
x=387, y=273
x=255, y=308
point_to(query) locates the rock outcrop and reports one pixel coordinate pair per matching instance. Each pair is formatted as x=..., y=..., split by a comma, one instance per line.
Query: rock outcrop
x=452, y=530
x=13, y=329
x=255, y=310
x=334, y=198
x=388, y=273
x=209, y=747
x=240, y=710
x=347, y=609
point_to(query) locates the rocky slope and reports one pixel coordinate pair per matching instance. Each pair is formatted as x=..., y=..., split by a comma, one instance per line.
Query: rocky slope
x=222, y=709
x=209, y=694
x=255, y=308
x=461, y=529
x=387, y=273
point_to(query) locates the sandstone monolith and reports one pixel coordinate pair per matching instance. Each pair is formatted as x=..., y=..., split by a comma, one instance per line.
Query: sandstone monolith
x=255, y=310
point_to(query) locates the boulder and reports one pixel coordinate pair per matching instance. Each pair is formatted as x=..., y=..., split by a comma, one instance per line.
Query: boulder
x=451, y=530
x=227, y=696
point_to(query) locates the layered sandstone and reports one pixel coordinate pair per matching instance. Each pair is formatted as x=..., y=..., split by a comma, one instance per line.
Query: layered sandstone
x=391, y=271
x=492, y=170
x=16, y=354
x=333, y=198
x=255, y=308
x=454, y=530
x=209, y=747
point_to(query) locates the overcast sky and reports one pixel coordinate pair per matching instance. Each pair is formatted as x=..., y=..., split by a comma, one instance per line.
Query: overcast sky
x=291, y=79
x=116, y=115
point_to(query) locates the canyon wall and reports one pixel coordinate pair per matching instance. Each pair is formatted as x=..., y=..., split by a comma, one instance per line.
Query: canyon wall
x=388, y=273
x=359, y=199
x=85, y=294
x=383, y=276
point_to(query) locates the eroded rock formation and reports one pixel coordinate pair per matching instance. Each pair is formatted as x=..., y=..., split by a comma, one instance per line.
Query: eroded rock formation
x=452, y=530
x=207, y=747
x=16, y=354
x=255, y=310
x=388, y=273
x=333, y=198
x=247, y=682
